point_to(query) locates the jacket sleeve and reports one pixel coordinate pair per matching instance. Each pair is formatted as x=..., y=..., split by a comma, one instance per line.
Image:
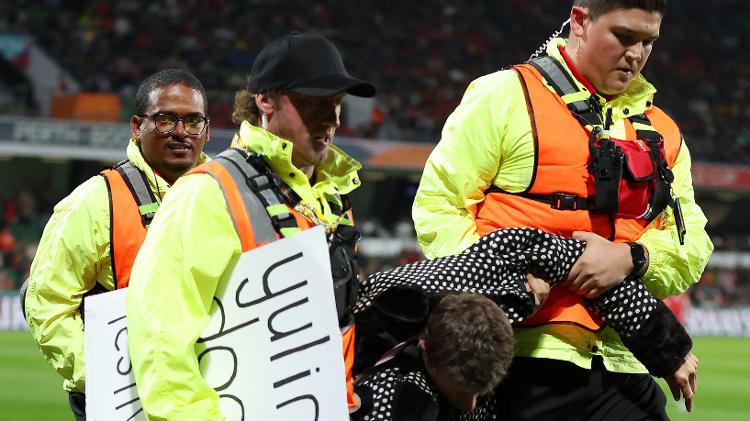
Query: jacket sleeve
x=73, y=254
x=190, y=246
x=674, y=267
x=464, y=164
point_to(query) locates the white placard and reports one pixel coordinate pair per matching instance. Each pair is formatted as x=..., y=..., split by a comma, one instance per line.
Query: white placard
x=272, y=349
x=110, y=385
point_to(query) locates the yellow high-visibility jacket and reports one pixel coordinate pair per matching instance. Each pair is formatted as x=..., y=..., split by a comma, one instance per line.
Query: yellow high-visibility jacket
x=72, y=257
x=191, y=248
x=487, y=141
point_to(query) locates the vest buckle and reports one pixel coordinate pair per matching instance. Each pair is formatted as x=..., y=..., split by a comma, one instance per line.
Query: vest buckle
x=564, y=201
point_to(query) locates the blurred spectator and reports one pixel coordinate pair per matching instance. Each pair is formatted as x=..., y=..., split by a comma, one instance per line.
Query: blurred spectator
x=28, y=225
x=21, y=226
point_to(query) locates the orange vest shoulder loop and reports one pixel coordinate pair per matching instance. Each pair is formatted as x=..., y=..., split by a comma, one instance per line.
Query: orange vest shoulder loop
x=261, y=215
x=132, y=206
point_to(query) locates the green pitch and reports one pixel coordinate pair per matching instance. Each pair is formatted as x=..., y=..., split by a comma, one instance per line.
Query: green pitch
x=723, y=382
x=33, y=391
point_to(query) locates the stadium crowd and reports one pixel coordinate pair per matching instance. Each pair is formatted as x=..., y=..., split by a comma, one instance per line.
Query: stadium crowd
x=422, y=55
x=21, y=226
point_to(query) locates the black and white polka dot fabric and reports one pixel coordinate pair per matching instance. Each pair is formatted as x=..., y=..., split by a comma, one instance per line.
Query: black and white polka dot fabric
x=384, y=385
x=495, y=267
x=626, y=307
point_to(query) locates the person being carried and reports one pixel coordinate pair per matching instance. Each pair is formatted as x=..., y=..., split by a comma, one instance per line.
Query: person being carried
x=394, y=306
x=462, y=354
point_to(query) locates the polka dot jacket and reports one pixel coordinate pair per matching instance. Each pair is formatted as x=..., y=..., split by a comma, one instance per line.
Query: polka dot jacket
x=496, y=267
x=393, y=306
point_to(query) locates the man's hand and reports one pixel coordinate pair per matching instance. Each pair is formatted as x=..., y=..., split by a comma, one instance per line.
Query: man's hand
x=602, y=265
x=685, y=380
x=539, y=287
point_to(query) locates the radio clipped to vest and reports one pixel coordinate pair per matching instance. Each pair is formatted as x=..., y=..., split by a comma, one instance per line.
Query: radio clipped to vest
x=628, y=181
x=606, y=168
x=629, y=178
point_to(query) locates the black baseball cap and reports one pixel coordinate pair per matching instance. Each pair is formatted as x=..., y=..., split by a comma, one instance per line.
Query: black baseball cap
x=307, y=64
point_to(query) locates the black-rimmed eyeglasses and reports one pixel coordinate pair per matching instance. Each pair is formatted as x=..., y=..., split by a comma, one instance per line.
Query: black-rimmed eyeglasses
x=165, y=123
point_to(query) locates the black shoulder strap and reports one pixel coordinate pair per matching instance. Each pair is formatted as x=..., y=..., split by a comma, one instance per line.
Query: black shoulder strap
x=584, y=105
x=137, y=182
x=261, y=194
x=643, y=129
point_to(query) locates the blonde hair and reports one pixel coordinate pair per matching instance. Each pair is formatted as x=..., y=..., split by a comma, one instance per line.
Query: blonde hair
x=245, y=108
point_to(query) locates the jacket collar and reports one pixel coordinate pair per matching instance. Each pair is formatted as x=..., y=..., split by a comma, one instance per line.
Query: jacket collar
x=158, y=184
x=636, y=99
x=336, y=175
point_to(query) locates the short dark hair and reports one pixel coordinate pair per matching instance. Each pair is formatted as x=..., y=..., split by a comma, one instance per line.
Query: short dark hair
x=164, y=78
x=469, y=336
x=600, y=7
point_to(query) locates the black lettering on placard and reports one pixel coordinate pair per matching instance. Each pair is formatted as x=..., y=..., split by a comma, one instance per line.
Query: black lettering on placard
x=121, y=347
x=135, y=414
x=124, y=388
x=294, y=350
x=238, y=401
x=276, y=335
x=136, y=399
x=277, y=331
x=122, y=405
x=300, y=398
x=300, y=375
x=221, y=331
x=266, y=289
x=120, y=370
x=234, y=364
x=231, y=377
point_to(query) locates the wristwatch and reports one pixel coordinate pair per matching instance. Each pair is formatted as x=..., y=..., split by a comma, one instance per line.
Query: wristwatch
x=638, y=253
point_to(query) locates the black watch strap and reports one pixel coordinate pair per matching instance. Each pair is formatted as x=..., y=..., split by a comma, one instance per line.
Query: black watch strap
x=638, y=254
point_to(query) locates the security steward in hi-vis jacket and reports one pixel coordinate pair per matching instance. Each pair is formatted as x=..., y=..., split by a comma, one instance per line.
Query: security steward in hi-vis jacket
x=571, y=143
x=284, y=149
x=94, y=234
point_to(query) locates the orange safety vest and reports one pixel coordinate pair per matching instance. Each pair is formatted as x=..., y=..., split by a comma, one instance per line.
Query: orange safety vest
x=561, y=158
x=243, y=224
x=131, y=207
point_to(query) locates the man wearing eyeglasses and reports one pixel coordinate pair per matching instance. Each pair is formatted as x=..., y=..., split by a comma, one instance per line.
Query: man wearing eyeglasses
x=93, y=236
x=285, y=160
